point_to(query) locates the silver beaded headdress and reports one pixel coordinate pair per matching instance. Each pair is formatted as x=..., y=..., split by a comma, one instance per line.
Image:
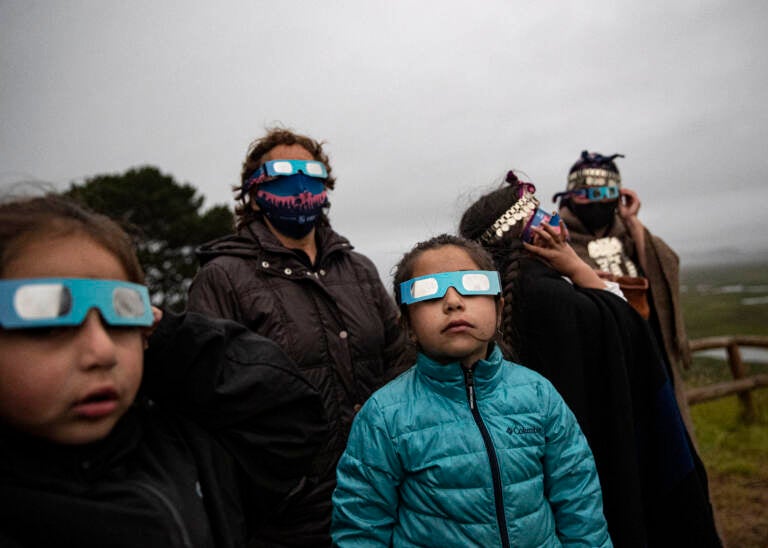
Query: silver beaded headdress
x=593, y=176
x=519, y=211
x=594, y=169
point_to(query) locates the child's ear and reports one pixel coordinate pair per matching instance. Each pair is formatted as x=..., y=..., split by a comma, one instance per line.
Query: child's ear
x=157, y=315
x=499, y=310
x=405, y=324
x=409, y=332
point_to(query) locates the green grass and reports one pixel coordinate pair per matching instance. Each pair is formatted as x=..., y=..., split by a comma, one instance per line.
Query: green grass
x=707, y=370
x=727, y=444
x=755, y=273
x=711, y=315
x=734, y=452
x=708, y=313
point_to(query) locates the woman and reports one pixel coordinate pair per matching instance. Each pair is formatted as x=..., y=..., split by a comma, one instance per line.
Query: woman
x=606, y=231
x=601, y=356
x=288, y=276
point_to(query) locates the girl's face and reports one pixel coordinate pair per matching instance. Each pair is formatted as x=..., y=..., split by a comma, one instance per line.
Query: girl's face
x=69, y=385
x=456, y=327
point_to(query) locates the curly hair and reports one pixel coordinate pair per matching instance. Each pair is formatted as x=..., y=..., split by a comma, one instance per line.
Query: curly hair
x=506, y=250
x=254, y=158
x=25, y=219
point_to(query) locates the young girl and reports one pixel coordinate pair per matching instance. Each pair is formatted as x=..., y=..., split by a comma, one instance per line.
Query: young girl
x=465, y=448
x=97, y=450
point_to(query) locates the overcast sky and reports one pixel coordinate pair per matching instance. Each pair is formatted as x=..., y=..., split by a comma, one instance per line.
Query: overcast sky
x=423, y=105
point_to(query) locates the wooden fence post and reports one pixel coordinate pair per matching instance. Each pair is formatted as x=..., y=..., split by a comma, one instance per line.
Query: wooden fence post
x=739, y=371
x=742, y=384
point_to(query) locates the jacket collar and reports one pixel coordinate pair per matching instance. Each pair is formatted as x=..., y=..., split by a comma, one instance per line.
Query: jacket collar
x=255, y=239
x=450, y=378
x=328, y=241
x=42, y=458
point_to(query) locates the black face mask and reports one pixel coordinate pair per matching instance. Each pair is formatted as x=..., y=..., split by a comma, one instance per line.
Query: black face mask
x=595, y=215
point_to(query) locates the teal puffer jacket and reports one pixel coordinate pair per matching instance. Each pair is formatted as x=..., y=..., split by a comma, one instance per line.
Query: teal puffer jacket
x=442, y=456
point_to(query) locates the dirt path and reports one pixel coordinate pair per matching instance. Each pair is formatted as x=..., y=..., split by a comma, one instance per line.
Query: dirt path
x=741, y=506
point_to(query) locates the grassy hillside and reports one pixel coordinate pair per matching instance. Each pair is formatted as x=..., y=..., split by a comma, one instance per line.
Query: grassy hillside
x=731, y=300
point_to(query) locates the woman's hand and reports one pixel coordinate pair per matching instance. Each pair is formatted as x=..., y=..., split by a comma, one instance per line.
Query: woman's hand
x=549, y=243
x=629, y=204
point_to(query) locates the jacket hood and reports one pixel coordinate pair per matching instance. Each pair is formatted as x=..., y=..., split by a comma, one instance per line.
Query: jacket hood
x=235, y=245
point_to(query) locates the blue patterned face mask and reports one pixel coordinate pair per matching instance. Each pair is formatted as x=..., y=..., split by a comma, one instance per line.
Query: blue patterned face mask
x=293, y=204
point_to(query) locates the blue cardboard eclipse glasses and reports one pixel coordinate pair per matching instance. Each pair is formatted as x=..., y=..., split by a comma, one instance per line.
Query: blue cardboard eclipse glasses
x=434, y=286
x=54, y=302
x=591, y=193
x=540, y=216
x=284, y=168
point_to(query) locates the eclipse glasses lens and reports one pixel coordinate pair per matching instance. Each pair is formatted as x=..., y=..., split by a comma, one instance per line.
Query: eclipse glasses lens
x=51, y=302
x=434, y=286
x=596, y=193
x=291, y=167
x=591, y=193
x=284, y=168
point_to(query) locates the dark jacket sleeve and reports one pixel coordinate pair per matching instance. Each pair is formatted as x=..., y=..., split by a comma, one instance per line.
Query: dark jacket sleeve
x=395, y=337
x=243, y=389
x=213, y=293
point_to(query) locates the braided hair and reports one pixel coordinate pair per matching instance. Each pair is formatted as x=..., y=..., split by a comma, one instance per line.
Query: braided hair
x=506, y=251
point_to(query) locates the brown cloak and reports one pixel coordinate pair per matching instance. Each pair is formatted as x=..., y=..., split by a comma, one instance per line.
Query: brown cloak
x=616, y=252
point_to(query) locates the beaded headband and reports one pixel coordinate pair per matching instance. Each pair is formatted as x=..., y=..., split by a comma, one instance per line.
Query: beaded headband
x=520, y=210
x=593, y=176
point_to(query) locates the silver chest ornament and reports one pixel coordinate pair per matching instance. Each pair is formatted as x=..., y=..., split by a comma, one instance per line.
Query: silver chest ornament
x=609, y=255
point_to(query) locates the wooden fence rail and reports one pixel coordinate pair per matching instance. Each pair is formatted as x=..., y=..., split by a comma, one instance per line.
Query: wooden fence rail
x=742, y=384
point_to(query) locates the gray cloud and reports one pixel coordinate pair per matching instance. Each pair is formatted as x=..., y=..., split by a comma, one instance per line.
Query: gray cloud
x=423, y=104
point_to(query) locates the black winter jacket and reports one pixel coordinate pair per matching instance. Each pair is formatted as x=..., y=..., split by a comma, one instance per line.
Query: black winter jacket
x=222, y=431
x=334, y=319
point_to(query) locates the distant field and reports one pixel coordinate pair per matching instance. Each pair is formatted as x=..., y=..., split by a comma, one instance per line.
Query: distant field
x=731, y=300
x=725, y=300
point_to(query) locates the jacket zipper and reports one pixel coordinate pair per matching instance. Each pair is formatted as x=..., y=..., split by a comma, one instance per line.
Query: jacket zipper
x=176, y=517
x=498, y=495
